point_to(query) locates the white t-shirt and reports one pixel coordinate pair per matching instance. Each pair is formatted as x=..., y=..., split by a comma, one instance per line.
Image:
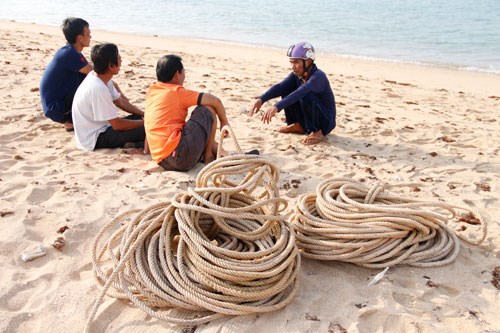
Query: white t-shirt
x=92, y=109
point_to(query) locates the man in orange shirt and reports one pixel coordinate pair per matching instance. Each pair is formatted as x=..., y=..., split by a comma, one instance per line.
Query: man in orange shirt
x=174, y=143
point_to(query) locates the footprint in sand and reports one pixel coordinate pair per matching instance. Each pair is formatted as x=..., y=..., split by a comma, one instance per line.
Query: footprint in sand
x=404, y=299
x=31, y=233
x=85, y=270
x=255, y=140
x=387, y=133
x=39, y=195
x=16, y=321
x=26, y=294
x=380, y=318
x=436, y=290
x=303, y=167
x=327, y=175
x=237, y=99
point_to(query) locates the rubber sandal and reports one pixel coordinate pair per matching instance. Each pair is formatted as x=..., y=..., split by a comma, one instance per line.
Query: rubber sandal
x=253, y=152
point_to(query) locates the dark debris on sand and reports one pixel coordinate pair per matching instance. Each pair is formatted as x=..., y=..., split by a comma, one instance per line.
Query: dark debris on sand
x=312, y=317
x=336, y=328
x=496, y=277
x=62, y=229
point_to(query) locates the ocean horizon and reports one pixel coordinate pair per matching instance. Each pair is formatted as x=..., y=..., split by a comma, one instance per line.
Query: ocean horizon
x=462, y=34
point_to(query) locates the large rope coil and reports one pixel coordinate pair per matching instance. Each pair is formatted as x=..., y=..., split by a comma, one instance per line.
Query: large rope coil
x=221, y=248
x=346, y=220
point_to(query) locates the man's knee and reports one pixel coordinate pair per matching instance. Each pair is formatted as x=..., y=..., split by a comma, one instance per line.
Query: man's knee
x=205, y=111
x=211, y=109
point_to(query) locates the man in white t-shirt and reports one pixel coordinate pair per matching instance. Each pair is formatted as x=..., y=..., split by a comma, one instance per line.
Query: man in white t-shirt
x=96, y=119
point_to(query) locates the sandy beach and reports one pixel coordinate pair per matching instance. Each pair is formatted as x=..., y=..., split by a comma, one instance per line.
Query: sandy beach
x=424, y=132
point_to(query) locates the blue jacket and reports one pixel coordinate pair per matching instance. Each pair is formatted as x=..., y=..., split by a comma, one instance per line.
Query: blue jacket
x=292, y=89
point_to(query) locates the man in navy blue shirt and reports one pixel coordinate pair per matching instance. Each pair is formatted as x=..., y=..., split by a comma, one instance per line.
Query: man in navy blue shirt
x=306, y=97
x=65, y=72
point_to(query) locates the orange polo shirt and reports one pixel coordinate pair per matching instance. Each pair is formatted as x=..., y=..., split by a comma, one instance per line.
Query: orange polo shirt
x=165, y=116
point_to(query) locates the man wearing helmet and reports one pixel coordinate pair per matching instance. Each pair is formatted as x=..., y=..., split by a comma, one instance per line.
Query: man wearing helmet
x=306, y=97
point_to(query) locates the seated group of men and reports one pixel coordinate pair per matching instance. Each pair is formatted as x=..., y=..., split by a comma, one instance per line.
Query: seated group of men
x=84, y=98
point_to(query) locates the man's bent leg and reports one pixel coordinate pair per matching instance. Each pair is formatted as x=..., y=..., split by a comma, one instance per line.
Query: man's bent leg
x=316, y=117
x=210, y=152
x=294, y=120
x=293, y=128
x=116, y=139
x=194, y=140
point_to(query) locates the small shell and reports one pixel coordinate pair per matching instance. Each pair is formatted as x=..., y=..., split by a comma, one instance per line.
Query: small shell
x=39, y=252
x=378, y=277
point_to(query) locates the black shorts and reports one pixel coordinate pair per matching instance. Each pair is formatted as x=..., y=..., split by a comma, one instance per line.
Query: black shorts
x=194, y=139
x=115, y=139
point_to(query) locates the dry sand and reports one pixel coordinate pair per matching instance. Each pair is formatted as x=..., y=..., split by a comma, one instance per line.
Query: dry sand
x=428, y=133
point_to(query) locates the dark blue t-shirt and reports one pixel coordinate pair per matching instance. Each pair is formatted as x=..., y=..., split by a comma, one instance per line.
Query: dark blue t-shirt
x=61, y=78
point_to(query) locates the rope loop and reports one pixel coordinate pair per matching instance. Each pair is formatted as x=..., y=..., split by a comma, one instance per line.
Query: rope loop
x=218, y=249
x=346, y=220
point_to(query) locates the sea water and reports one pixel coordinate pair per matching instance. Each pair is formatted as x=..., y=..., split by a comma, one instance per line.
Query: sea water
x=462, y=34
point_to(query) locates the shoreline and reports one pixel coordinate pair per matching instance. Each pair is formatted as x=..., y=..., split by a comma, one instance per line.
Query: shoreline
x=360, y=58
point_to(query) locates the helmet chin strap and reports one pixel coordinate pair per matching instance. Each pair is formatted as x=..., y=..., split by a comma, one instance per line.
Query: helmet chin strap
x=306, y=69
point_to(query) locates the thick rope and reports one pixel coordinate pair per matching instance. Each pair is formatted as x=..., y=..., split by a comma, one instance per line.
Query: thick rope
x=219, y=249
x=347, y=221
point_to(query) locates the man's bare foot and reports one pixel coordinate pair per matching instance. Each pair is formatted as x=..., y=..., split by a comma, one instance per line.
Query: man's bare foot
x=293, y=128
x=68, y=127
x=135, y=151
x=209, y=158
x=313, y=138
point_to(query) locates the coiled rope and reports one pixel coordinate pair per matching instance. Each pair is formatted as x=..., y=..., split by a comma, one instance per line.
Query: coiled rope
x=346, y=220
x=218, y=249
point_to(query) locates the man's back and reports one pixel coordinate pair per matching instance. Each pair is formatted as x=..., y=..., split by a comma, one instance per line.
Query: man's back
x=60, y=78
x=92, y=109
x=166, y=111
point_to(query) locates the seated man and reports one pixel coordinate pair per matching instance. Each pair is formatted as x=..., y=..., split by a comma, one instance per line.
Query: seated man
x=65, y=72
x=95, y=117
x=307, y=97
x=174, y=143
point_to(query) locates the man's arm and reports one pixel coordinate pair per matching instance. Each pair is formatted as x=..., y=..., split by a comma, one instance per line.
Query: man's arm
x=124, y=104
x=294, y=96
x=120, y=124
x=215, y=102
x=315, y=84
x=276, y=90
x=86, y=69
x=279, y=89
x=119, y=90
x=255, y=107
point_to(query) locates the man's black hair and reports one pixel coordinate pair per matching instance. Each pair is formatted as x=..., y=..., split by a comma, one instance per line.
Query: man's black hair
x=167, y=66
x=72, y=27
x=103, y=56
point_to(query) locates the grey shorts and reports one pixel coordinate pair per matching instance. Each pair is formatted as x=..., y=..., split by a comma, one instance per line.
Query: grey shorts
x=194, y=139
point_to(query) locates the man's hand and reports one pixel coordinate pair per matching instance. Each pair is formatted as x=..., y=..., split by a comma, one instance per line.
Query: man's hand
x=120, y=91
x=255, y=107
x=269, y=114
x=226, y=133
x=123, y=103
